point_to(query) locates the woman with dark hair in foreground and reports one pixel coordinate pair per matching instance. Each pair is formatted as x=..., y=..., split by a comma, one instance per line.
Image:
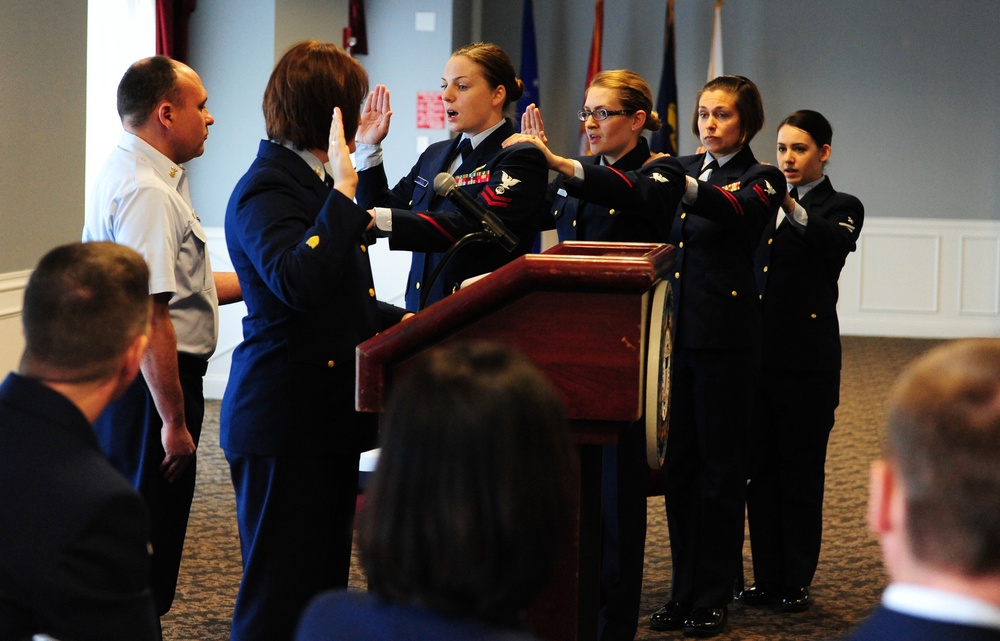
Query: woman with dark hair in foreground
x=469, y=508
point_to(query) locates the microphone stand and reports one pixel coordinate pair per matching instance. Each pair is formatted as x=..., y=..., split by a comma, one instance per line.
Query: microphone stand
x=468, y=239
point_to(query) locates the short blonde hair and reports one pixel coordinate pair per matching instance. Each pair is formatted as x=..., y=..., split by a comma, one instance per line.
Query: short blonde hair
x=633, y=91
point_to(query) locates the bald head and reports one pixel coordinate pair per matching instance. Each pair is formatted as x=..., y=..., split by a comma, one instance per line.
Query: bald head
x=146, y=83
x=164, y=102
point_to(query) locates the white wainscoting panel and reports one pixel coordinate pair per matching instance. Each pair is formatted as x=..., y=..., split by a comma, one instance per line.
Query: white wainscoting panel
x=980, y=270
x=230, y=319
x=11, y=337
x=891, y=280
x=923, y=278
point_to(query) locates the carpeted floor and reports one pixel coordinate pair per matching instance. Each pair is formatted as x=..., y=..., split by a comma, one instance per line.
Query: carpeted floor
x=847, y=584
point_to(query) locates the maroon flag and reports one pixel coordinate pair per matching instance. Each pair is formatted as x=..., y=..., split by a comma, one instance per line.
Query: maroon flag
x=172, y=18
x=593, y=66
x=356, y=23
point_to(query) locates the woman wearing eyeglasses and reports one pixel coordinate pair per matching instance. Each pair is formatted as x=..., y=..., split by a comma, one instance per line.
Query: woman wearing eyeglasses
x=617, y=108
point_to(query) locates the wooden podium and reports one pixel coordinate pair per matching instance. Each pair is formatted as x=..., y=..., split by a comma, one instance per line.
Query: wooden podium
x=595, y=317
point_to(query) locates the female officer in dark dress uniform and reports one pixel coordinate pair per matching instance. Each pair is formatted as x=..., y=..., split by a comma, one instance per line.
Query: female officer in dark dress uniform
x=798, y=265
x=716, y=359
x=617, y=109
x=477, y=85
x=288, y=424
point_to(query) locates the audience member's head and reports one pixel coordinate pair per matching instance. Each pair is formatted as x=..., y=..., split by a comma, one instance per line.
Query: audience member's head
x=935, y=498
x=470, y=504
x=86, y=307
x=164, y=102
x=307, y=83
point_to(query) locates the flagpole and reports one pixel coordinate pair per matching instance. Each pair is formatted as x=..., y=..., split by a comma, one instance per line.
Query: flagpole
x=715, y=61
x=593, y=65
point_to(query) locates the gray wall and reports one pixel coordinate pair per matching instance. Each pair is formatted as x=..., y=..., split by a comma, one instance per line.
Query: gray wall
x=911, y=89
x=234, y=45
x=232, y=49
x=43, y=77
x=406, y=61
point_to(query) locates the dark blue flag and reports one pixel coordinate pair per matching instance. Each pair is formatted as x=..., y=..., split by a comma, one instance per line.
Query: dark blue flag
x=529, y=62
x=665, y=140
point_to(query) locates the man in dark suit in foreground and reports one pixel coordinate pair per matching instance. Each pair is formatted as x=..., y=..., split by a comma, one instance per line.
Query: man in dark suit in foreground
x=935, y=499
x=73, y=533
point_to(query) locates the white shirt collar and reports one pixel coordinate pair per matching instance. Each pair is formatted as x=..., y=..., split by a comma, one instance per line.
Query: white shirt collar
x=938, y=605
x=722, y=160
x=483, y=135
x=172, y=173
x=314, y=163
x=806, y=188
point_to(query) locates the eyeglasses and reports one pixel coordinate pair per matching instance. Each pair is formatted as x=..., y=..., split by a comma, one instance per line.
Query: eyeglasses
x=601, y=114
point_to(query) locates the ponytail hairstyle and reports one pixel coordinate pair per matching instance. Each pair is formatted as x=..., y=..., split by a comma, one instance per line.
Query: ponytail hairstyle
x=497, y=68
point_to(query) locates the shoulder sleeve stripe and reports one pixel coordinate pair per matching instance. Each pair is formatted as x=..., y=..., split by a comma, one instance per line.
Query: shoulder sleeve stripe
x=493, y=199
x=437, y=226
x=733, y=201
x=622, y=176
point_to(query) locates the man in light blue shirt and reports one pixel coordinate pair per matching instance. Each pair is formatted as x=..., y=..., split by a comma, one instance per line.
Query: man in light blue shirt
x=141, y=199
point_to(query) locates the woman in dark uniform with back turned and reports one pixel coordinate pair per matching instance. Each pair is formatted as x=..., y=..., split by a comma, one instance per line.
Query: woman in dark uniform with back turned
x=798, y=264
x=716, y=358
x=288, y=424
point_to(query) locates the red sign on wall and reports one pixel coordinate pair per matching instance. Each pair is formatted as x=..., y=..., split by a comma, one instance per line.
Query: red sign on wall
x=430, y=110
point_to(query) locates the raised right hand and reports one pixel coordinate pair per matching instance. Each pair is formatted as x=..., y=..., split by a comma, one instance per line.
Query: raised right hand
x=375, y=115
x=345, y=178
x=532, y=125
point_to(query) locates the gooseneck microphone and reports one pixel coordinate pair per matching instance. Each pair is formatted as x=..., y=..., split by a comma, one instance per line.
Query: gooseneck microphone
x=444, y=185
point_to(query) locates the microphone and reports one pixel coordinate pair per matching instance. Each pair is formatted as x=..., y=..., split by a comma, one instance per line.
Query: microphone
x=444, y=185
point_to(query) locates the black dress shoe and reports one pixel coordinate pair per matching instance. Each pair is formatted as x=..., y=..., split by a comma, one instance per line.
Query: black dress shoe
x=670, y=617
x=759, y=597
x=705, y=622
x=795, y=600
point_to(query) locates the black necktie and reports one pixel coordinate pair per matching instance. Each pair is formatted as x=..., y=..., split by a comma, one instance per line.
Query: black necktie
x=463, y=151
x=709, y=169
x=794, y=193
x=329, y=181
